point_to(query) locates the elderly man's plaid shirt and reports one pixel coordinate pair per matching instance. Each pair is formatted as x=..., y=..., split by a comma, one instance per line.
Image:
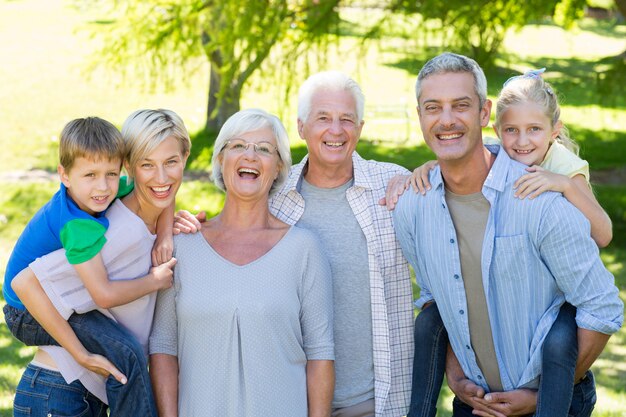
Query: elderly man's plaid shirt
x=390, y=283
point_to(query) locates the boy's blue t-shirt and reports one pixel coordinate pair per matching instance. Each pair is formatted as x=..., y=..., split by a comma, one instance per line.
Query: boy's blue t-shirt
x=60, y=223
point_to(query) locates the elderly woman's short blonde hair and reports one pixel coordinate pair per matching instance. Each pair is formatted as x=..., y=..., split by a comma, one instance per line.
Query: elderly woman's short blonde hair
x=146, y=129
x=249, y=120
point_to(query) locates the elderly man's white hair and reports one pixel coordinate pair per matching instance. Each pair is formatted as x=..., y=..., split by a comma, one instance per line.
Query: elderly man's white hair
x=330, y=81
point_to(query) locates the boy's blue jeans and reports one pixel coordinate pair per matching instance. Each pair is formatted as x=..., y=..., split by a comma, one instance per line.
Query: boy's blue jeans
x=560, y=351
x=101, y=335
x=42, y=392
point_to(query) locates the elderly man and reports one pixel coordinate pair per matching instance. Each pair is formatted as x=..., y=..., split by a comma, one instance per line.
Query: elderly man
x=335, y=193
x=499, y=268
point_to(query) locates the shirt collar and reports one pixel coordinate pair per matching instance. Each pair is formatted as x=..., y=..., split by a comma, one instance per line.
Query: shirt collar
x=496, y=178
x=359, y=167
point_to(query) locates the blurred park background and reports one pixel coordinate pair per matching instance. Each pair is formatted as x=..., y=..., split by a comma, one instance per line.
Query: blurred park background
x=60, y=60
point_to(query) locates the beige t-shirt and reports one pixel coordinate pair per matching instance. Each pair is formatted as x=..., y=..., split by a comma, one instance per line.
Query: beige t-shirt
x=469, y=214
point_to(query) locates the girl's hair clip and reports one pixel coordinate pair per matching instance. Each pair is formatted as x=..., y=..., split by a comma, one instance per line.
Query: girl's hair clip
x=528, y=74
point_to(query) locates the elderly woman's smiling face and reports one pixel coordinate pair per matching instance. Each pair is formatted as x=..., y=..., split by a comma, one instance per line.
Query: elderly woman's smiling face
x=250, y=164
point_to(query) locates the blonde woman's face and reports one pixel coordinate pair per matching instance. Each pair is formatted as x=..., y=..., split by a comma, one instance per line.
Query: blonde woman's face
x=158, y=176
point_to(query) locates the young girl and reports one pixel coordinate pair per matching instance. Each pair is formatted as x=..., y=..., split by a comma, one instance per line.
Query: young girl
x=530, y=130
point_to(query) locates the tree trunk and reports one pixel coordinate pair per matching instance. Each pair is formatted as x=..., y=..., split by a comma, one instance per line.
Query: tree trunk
x=211, y=113
x=621, y=6
x=219, y=111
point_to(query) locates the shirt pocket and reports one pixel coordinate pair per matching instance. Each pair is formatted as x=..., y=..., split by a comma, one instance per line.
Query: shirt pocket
x=510, y=258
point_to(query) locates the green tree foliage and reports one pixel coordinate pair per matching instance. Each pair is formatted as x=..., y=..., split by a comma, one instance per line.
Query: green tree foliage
x=477, y=28
x=165, y=39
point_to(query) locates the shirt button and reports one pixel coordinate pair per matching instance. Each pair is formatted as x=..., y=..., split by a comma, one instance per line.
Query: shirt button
x=479, y=377
x=456, y=276
x=467, y=346
x=461, y=312
x=451, y=240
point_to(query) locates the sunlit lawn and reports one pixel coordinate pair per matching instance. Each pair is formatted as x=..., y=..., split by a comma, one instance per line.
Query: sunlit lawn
x=43, y=87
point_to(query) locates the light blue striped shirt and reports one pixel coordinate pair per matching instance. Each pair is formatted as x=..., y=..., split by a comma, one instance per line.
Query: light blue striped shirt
x=535, y=255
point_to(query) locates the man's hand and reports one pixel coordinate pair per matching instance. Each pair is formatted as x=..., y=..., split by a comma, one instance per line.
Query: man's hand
x=472, y=395
x=185, y=222
x=518, y=402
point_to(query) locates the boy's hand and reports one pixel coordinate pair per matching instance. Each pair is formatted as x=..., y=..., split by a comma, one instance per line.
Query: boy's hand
x=163, y=275
x=101, y=365
x=395, y=188
x=419, y=179
x=185, y=222
x=162, y=249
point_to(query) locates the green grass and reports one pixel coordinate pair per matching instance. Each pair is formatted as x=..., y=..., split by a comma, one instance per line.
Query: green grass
x=44, y=86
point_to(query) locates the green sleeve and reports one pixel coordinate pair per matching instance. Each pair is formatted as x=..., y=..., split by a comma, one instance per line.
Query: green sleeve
x=125, y=187
x=82, y=240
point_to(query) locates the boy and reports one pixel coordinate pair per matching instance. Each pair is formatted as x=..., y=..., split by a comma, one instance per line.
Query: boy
x=91, y=153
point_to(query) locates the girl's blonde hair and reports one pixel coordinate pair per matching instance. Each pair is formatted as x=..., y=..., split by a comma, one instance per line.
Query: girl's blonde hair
x=531, y=87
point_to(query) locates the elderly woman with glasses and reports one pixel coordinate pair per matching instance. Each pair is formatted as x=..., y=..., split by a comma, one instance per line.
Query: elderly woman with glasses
x=246, y=330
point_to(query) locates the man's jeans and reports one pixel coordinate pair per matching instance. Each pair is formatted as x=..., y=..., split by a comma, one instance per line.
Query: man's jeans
x=429, y=362
x=42, y=392
x=101, y=335
x=583, y=400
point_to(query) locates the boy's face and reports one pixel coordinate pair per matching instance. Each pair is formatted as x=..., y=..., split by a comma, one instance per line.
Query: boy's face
x=92, y=184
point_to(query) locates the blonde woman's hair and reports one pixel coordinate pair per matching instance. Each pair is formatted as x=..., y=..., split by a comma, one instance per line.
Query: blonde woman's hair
x=534, y=89
x=146, y=129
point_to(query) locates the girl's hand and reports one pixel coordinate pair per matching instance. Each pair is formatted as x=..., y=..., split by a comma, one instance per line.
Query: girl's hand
x=395, y=188
x=162, y=249
x=419, y=179
x=185, y=222
x=538, y=181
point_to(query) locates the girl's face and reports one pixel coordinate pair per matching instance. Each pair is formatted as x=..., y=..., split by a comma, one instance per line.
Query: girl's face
x=526, y=133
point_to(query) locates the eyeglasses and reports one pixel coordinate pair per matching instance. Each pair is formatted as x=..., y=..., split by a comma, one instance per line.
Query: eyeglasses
x=261, y=148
